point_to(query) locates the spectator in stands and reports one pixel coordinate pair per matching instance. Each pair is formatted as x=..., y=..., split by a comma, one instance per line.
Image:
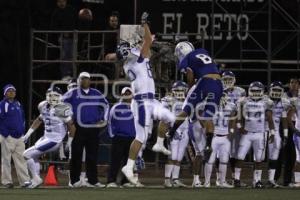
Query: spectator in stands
x=122, y=131
x=64, y=18
x=85, y=19
x=111, y=39
x=12, y=127
x=90, y=110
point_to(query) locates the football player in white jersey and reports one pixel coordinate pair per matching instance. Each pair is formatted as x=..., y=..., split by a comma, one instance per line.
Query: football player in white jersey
x=179, y=142
x=144, y=106
x=234, y=93
x=224, y=122
x=295, y=111
x=197, y=136
x=254, y=111
x=57, y=119
x=279, y=110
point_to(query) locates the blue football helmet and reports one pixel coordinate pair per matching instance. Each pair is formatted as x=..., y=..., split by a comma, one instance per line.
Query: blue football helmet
x=54, y=96
x=228, y=79
x=276, y=90
x=182, y=49
x=179, y=89
x=123, y=50
x=256, y=90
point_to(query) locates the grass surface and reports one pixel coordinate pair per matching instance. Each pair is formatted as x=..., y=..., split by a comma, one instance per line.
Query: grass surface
x=149, y=194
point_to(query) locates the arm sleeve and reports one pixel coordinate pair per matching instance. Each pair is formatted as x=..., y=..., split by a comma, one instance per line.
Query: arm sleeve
x=184, y=64
x=111, y=122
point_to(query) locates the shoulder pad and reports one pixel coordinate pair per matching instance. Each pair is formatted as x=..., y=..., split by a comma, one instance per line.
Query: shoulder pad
x=42, y=104
x=240, y=90
x=63, y=110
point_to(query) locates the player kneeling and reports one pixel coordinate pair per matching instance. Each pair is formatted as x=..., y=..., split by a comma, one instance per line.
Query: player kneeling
x=224, y=122
x=57, y=118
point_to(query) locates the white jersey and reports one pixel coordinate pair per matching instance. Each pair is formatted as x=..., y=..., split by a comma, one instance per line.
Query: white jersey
x=279, y=110
x=235, y=94
x=295, y=102
x=254, y=113
x=139, y=72
x=175, y=106
x=55, y=119
x=222, y=117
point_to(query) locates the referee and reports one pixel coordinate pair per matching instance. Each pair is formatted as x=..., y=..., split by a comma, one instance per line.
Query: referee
x=90, y=109
x=122, y=131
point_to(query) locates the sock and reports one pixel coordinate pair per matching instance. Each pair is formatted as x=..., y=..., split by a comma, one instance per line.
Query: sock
x=130, y=163
x=207, y=172
x=175, y=172
x=271, y=173
x=196, y=179
x=168, y=170
x=297, y=177
x=222, y=172
x=37, y=168
x=31, y=166
x=257, y=175
x=237, y=173
x=218, y=175
x=82, y=174
x=160, y=141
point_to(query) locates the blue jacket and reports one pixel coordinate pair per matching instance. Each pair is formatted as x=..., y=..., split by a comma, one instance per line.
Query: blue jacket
x=12, y=120
x=121, y=121
x=89, y=114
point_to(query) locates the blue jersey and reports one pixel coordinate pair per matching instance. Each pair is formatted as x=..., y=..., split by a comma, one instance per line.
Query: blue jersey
x=200, y=62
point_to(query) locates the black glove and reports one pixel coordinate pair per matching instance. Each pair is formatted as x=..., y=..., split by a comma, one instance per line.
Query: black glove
x=144, y=18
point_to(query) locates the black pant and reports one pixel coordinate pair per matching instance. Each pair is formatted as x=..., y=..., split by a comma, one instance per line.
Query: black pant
x=119, y=155
x=88, y=138
x=287, y=157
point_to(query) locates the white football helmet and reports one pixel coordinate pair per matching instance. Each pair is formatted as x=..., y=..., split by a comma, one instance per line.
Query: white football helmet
x=182, y=49
x=54, y=96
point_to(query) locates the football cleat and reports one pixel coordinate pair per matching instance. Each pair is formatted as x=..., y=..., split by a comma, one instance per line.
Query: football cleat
x=258, y=185
x=225, y=185
x=139, y=185
x=218, y=183
x=295, y=185
x=97, y=185
x=128, y=172
x=112, y=185
x=207, y=185
x=237, y=183
x=168, y=183
x=197, y=184
x=272, y=184
x=161, y=149
x=36, y=182
x=178, y=184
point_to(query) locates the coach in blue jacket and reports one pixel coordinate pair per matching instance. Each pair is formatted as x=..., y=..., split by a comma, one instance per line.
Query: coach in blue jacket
x=90, y=110
x=12, y=127
x=122, y=131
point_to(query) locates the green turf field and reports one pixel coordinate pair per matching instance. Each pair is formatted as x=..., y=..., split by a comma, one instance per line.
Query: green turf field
x=147, y=194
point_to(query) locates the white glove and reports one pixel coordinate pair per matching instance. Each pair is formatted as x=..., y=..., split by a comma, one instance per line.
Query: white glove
x=27, y=135
x=68, y=147
x=144, y=18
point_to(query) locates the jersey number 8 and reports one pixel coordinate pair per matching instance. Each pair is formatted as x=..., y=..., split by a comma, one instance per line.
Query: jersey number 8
x=204, y=58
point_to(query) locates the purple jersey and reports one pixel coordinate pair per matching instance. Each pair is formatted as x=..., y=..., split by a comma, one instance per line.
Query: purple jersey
x=200, y=62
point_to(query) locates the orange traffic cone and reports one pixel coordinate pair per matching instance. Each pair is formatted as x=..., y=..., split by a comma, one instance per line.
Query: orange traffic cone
x=50, y=179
